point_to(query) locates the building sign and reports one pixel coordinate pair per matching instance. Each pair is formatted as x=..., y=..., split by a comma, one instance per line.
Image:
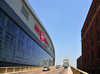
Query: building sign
x=42, y=38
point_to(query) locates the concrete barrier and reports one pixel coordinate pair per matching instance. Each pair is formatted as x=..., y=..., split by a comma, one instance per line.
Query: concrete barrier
x=19, y=69
x=77, y=71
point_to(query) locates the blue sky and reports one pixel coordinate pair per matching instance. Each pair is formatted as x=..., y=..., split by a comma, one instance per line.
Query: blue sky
x=63, y=19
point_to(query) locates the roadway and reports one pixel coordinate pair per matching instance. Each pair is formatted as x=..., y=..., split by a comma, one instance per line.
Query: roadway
x=55, y=71
x=60, y=70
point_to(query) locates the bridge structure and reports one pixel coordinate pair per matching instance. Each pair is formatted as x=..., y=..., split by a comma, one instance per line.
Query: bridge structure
x=38, y=70
x=66, y=61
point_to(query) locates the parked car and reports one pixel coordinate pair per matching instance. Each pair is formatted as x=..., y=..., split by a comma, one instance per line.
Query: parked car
x=46, y=69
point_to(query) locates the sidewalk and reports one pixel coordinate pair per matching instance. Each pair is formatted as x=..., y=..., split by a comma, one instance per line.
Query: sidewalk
x=69, y=71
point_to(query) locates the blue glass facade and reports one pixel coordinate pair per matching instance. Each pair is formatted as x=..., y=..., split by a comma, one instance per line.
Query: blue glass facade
x=17, y=47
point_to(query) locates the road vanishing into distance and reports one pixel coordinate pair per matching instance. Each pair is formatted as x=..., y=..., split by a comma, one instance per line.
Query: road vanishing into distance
x=55, y=71
x=60, y=70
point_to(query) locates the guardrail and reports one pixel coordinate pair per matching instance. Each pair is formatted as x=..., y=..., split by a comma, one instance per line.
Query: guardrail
x=77, y=71
x=19, y=69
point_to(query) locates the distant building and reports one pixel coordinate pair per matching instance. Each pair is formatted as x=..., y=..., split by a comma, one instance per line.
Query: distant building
x=66, y=62
x=90, y=38
x=79, y=63
x=24, y=40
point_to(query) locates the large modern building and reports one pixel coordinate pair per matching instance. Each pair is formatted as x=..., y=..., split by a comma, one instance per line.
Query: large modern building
x=90, y=39
x=23, y=39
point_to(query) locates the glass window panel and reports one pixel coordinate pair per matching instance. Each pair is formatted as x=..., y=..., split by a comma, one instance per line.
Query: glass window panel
x=4, y=16
x=1, y=33
x=22, y=34
x=7, y=36
x=14, y=30
x=0, y=19
x=1, y=28
x=95, y=7
x=7, y=32
x=3, y=58
x=98, y=52
x=11, y=39
x=0, y=41
x=8, y=26
x=10, y=57
x=6, y=44
x=14, y=25
x=97, y=22
x=0, y=12
x=5, y=51
x=13, y=36
x=28, y=40
x=11, y=42
x=18, y=49
x=21, y=49
x=10, y=45
x=9, y=22
x=33, y=44
x=6, y=40
x=1, y=38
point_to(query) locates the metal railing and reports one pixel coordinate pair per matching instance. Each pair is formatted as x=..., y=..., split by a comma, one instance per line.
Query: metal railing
x=19, y=69
x=77, y=71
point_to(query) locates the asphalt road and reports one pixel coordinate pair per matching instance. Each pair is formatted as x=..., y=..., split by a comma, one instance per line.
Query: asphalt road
x=56, y=71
